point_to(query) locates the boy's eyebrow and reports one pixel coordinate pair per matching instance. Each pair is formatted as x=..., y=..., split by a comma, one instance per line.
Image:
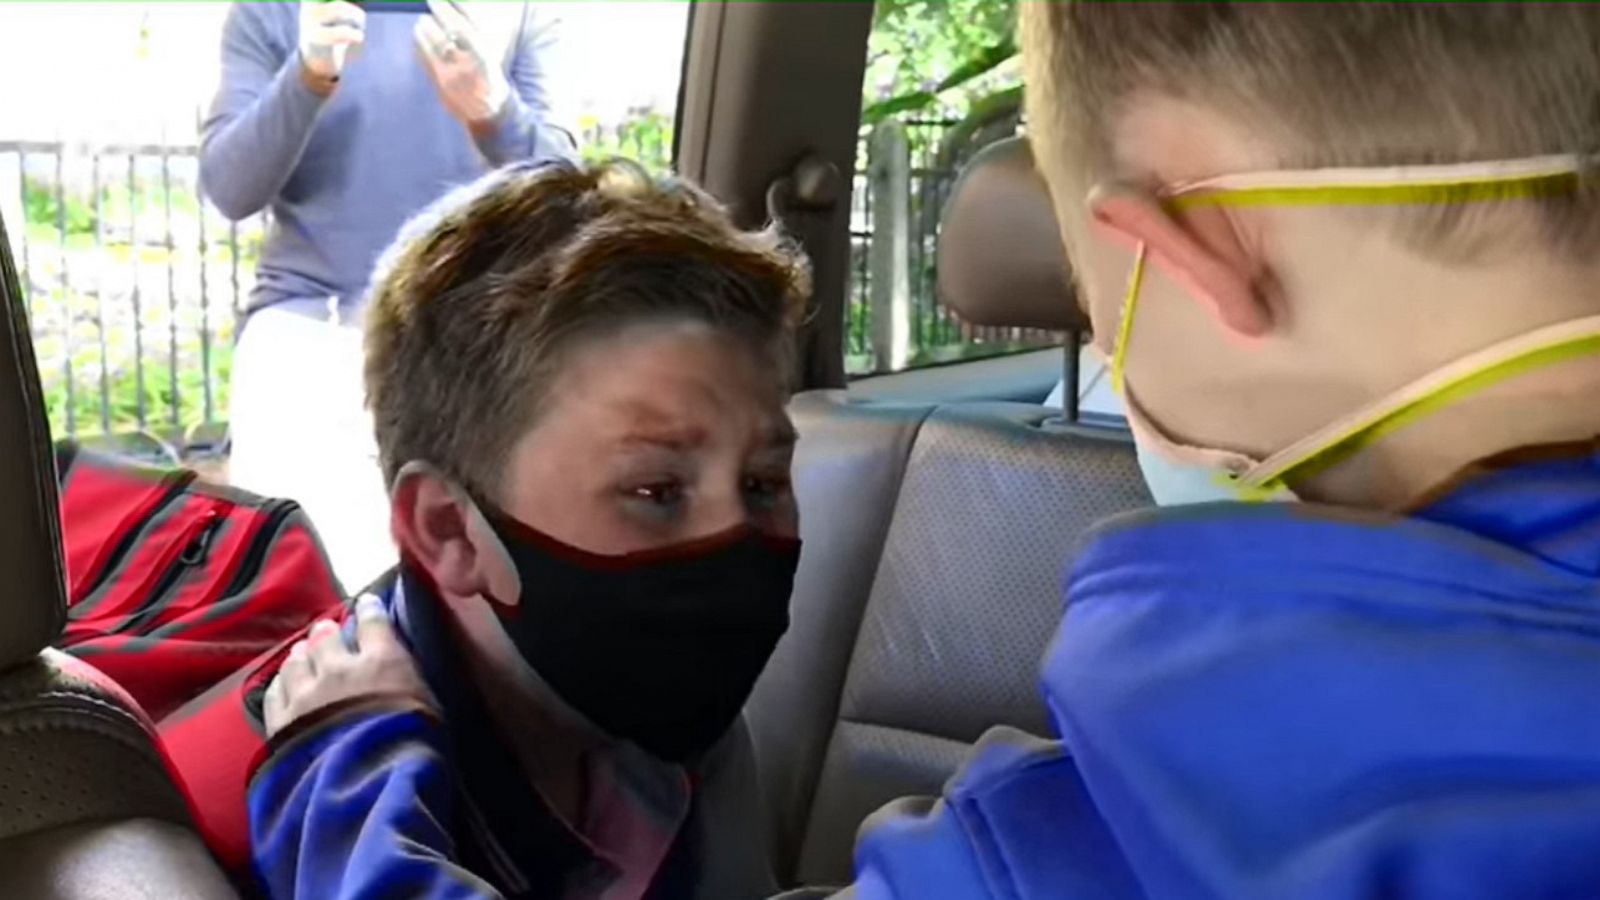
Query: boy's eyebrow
x=650, y=425
x=780, y=436
x=643, y=422
x=672, y=438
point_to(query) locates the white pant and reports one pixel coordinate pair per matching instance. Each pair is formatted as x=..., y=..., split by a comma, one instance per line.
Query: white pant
x=300, y=430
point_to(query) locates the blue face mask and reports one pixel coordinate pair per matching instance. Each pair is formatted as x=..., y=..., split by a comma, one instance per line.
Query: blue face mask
x=1179, y=484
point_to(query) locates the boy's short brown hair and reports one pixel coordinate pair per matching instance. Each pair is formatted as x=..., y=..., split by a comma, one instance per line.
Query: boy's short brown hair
x=475, y=305
x=1331, y=84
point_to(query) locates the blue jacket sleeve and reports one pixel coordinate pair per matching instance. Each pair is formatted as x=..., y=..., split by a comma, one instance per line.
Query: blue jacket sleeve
x=528, y=127
x=1017, y=821
x=357, y=807
x=263, y=113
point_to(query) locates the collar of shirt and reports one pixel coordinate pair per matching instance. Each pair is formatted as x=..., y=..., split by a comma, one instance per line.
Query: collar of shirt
x=634, y=807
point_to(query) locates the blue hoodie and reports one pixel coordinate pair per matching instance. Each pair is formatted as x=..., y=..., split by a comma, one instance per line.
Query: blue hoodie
x=1299, y=701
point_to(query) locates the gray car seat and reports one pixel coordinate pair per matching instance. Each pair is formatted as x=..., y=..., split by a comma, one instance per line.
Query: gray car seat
x=86, y=806
x=935, y=536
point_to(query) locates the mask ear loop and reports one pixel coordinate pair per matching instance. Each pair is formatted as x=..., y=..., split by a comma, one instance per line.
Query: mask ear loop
x=1469, y=374
x=476, y=521
x=1543, y=176
x=1140, y=423
x=1130, y=301
x=1385, y=178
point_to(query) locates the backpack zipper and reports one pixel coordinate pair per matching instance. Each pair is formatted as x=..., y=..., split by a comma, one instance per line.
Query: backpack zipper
x=196, y=550
x=196, y=547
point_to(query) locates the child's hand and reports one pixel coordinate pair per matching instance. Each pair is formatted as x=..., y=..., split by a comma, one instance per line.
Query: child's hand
x=321, y=671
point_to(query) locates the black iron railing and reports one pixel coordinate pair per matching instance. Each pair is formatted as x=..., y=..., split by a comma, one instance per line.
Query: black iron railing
x=135, y=283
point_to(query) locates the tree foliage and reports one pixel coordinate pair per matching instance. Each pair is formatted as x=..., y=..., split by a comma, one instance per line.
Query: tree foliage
x=937, y=55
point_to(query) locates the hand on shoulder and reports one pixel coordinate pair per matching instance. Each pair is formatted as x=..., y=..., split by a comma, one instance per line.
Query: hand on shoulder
x=322, y=670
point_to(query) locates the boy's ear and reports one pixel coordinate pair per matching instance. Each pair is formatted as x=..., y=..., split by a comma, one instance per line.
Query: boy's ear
x=433, y=530
x=1202, y=254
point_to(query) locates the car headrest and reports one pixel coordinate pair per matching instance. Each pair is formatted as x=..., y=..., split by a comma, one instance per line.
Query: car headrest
x=1001, y=262
x=33, y=603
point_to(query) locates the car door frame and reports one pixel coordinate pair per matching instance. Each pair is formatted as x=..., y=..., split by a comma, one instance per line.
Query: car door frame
x=772, y=91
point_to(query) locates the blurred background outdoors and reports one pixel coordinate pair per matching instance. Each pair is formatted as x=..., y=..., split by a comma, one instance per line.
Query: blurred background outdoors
x=134, y=281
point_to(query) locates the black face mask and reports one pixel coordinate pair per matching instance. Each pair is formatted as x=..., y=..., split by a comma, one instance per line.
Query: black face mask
x=660, y=647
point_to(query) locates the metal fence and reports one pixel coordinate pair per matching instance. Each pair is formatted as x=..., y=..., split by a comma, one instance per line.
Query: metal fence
x=135, y=283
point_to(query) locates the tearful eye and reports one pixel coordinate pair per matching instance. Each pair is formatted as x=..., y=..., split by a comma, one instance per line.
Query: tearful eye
x=666, y=493
x=764, y=491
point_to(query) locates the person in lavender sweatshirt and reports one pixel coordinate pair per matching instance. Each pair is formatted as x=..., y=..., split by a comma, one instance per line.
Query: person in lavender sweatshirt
x=341, y=121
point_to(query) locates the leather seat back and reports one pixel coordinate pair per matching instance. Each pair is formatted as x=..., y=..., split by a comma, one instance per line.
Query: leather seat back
x=935, y=540
x=847, y=472
x=935, y=537
x=964, y=603
x=82, y=784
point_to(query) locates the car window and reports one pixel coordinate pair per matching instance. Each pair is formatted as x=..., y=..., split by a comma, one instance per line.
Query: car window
x=137, y=284
x=943, y=80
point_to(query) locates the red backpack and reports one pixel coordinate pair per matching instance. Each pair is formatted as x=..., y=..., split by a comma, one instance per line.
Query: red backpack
x=188, y=594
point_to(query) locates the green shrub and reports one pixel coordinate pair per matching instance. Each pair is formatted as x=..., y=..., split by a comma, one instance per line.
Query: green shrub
x=123, y=393
x=646, y=139
x=41, y=207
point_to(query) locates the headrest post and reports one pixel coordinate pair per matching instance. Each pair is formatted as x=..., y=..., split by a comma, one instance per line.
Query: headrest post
x=1070, y=383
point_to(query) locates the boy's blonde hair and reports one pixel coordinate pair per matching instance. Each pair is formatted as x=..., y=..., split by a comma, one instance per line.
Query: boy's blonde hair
x=1331, y=84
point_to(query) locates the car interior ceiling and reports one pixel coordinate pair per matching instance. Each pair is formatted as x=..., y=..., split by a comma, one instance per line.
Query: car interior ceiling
x=937, y=510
